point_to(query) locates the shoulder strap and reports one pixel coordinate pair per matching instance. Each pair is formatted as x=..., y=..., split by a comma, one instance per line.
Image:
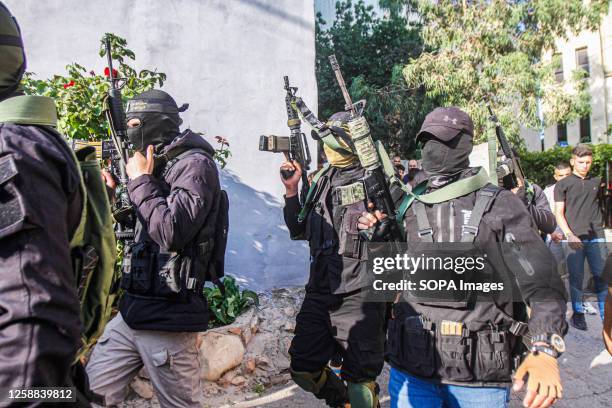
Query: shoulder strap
x=409, y=199
x=169, y=159
x=29, y=110
x=311, y=190
x=484, y=199
x=425, y=231
x=457, y=189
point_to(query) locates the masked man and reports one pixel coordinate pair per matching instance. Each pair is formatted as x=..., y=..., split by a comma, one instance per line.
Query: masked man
x=174, y=188
x=462, y=353
x=334, y=315
x=40, y=209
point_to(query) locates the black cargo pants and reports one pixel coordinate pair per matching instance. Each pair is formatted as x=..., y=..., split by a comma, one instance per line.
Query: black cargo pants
x=327, y=324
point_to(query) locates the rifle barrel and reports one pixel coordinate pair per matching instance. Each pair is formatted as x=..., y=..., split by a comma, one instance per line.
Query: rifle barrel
x=347, y=97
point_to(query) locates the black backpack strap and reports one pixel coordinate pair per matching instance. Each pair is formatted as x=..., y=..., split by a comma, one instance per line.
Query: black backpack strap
x=169, y=159
x=484, y=199
x=425, y=231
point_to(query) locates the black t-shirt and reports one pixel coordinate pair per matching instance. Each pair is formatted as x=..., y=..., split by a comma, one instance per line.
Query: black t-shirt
x=581, y=205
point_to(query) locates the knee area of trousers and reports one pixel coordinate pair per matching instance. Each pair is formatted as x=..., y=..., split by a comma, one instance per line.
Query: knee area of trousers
x=363, y=394
x=309, y=381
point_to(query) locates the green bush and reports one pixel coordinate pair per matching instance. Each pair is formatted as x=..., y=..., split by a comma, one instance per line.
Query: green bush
x=539, y=166
x=226, y=308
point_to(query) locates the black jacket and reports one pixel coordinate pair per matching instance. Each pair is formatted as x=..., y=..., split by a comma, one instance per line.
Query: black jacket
x=544, y=292
x=337, y=254
x=40, y=208
x=171, y=210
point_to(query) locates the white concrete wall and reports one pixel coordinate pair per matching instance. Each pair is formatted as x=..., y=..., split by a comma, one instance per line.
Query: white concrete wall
x=227, y=60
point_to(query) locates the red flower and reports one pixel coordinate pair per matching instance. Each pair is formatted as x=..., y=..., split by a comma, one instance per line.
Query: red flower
x=107, y=72
x=69, y=84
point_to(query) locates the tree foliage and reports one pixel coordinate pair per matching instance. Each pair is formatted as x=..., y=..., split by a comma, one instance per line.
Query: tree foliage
x=539, y=166
x=371, y=51
x=80, y=93
x=494, y=49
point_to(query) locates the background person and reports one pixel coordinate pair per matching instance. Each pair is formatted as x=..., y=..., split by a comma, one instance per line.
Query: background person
x=579, y=217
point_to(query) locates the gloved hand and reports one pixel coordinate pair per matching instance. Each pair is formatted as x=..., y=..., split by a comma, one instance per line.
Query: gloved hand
x=369, y=220
x=544, y=382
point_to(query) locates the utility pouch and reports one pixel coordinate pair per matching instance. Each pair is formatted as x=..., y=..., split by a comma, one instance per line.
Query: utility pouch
x=320, y=231
x=493, y=356
x=415, y=345
x=12, y=206
x=138, y=264
x=350, y=242
x=455, y=357
x=170, y=280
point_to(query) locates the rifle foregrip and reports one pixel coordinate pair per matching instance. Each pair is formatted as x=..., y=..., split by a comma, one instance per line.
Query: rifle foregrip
x=116, y=109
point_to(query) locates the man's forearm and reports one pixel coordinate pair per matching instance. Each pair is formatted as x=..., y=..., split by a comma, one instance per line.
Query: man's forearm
x=562, y=223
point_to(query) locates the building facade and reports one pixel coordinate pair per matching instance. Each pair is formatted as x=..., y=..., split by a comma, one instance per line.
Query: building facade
x=592, y=52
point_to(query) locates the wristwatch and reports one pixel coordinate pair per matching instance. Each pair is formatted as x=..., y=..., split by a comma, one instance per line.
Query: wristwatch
x=554, y=344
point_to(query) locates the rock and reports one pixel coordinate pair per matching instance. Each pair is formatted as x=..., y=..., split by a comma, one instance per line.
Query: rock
x=227, y=378
x=280, y=379
x=238, y=380
x=144, y=373
x=235, y=330
x=219, y=353
x=143, y=388
x=250, y=365
x=245, y=325
x=289, y=311
x=289, y=327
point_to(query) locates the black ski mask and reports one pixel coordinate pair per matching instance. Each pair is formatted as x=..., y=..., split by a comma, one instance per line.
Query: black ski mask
x=159, y=120
x=446, y=158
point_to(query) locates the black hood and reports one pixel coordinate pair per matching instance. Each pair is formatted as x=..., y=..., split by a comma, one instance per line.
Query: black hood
x=12, y=55
x=445, y=159
x=159, y=120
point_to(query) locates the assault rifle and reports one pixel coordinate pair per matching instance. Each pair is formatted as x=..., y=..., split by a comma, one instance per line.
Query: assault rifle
x=375, y=182
x=294, y=147
x=115, y=115
x=514, y=173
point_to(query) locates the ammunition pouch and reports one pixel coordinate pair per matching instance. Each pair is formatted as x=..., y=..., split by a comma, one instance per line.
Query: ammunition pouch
x=12, y=206
x=419, y=346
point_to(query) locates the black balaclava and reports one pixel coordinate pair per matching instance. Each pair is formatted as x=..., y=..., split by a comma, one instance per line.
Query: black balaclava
x=159, y=120
x=442, y=160
x=12, y=55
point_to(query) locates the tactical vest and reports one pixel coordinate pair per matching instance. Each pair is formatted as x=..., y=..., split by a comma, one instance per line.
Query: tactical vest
x=453, y=342
x=93, y=246
x=151, y=272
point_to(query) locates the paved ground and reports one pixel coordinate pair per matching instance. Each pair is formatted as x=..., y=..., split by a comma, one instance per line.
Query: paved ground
x=586, y=372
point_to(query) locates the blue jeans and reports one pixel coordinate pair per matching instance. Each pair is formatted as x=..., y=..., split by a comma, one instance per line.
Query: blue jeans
x=408, y=391
x=595, y=252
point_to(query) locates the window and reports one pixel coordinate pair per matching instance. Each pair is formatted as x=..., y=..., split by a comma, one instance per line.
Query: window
x=582, y=59
x=585, y=129
x=558, y=61
x=561, y=134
